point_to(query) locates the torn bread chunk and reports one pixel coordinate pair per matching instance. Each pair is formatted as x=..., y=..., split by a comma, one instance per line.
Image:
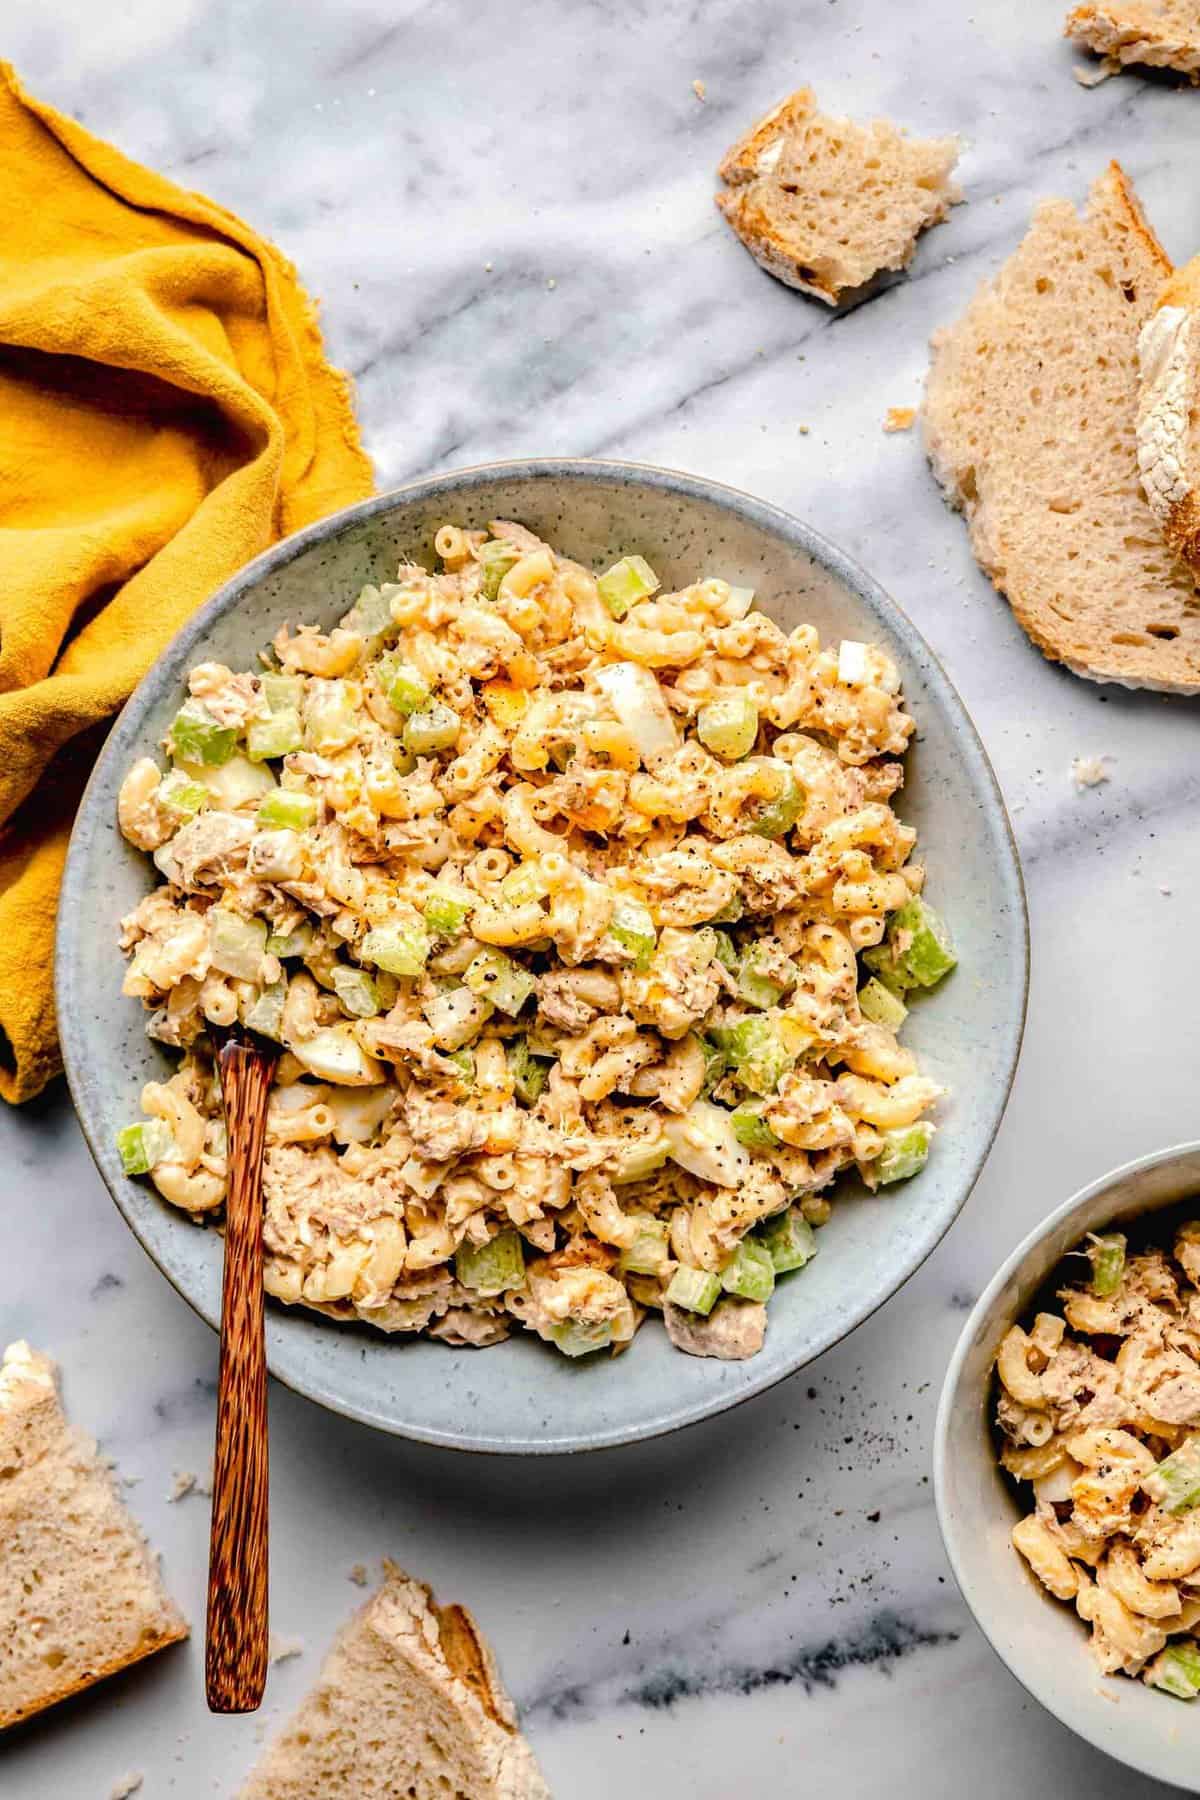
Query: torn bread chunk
x=80, y=1594
x=826, y=204
x=1168, y=426
x=1155, y=34
x=1030, y=424
x=409, y=1706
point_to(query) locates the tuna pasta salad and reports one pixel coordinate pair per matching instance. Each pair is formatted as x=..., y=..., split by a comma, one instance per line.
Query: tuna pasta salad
x=1099, y=1407
x=553, y=889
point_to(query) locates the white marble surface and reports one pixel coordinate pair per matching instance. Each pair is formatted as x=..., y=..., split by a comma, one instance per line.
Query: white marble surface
x=506, y=210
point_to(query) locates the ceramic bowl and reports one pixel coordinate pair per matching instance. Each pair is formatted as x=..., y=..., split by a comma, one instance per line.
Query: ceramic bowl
x=521, y=1396
x=1042, y=1640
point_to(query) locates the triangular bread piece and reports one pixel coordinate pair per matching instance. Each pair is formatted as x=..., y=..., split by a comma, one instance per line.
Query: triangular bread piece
x=1030, y=423
x=409, y=1706
x=80, y=1595
x=1156, y=34
x=825, y=204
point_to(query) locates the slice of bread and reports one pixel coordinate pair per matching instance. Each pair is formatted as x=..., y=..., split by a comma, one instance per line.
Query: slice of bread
x=1168, y=430
x=1030, y=423
x=1157, y=34
x=409, y=1706
x=80, y=1595
x=825, y=204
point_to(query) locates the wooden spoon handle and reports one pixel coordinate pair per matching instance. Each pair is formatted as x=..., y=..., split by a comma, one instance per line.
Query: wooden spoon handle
x=236, y=1644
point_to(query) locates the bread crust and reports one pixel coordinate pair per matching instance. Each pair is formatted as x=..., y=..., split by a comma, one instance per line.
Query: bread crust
x=1129, y=32
x=1169, y=411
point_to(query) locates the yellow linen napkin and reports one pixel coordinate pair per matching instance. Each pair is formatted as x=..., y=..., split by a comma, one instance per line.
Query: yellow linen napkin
x=166, y=412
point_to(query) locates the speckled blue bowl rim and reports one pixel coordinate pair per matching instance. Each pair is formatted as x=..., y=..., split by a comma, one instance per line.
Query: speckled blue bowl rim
x=123, y=742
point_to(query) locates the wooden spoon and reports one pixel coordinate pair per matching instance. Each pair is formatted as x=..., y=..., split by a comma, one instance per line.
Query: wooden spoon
x=236, y=1642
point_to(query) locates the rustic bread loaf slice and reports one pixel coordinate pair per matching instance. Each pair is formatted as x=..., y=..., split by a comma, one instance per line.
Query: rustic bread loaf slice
x=1030, y=423
x=1168, y=432
x=409, y=1706
x=826, y=204
x=1158, y=34
x=80, y=1595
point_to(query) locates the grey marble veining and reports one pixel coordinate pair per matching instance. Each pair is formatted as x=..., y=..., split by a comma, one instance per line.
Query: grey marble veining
x=506, y=210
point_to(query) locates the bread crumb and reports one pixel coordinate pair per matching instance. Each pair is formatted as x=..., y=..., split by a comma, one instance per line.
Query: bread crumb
x=1089, y=771
x=1090, y=75
x=487, y=268
x=552, y=283
x=184, y=1482
x=699, y=89
x=281, y=1649
x=1163, y=890
x=803, y=430
x=358, y=1574
x=128, y=1784
x=899, y=418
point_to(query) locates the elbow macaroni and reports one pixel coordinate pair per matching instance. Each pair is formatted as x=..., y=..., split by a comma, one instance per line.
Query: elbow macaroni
x=475, y=858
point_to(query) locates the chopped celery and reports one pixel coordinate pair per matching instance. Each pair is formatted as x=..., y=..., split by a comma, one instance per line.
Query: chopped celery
x=574, y=1337
x=1175, y=1483
x=288, y=807
x=371, y=618
x=751, y=1274
x=292, y=943
x=637, y=1158
x=283, y=693
x=757, y=1051
x=195, y=736
x=648, y=1253
x=180, y=795
x=496, y=977
x=627, y=582
x=464, y=1061
x=751, y=1129
x=406, y=688
x=236, y=945
x=1108, y=1263
x=356, y=991
x=496, y=558
x=330, y=720
x=904, y=1152
x=435, y=727
x=881, y=1006
x=265, y=1014
x=447, y=911
x=703, y=1142
x=455, y=1017
x=728, y=726
x=917, y=950
x=142, y=1146
x=528, y=1072
x=632, y=927
x=523, y=884
x=777, y=815
x=696, y=1290
x=789, y=1240
x=715, y=1064
x=1177, y=1670
x=756, y=985
x=277, y=736
x=401, y=949
x=492, y=1267
x=726, y=951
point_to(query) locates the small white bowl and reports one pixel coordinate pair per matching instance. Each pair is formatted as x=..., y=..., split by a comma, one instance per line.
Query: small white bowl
x=1041, y=1639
